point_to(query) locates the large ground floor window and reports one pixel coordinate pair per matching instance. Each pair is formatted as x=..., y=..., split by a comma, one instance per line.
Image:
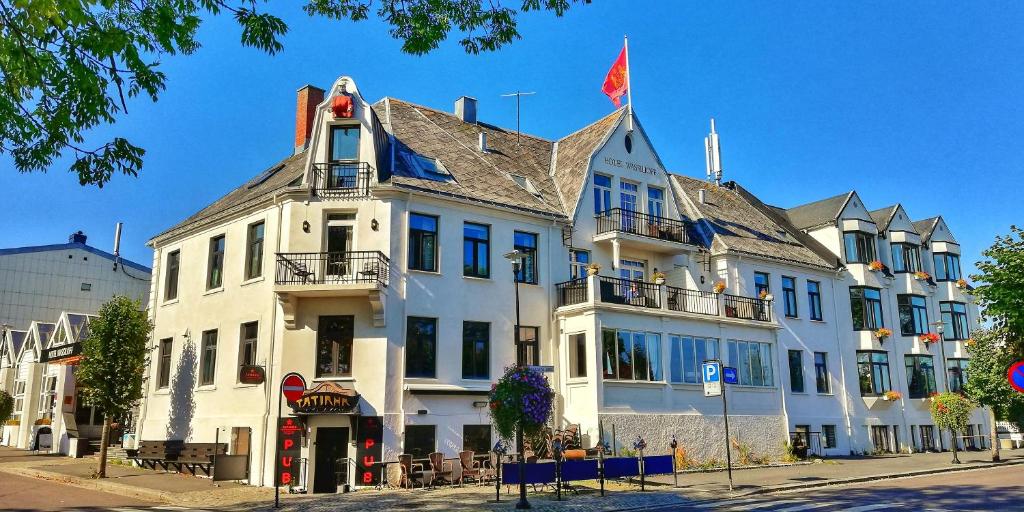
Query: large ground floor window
x=873, y=372
x=753, y=361
x=420, y=440
x=476, y=438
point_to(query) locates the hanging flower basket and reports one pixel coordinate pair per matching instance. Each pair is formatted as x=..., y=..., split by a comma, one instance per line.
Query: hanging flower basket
x=882, y=334
x=930, y=337
x=892, y=395
x=522, y=398
x=921, y=275
x=719, y=287
x=876, y=266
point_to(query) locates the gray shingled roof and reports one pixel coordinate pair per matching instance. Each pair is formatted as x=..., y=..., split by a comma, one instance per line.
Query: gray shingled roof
x=883, y=216
x=741, y=223
x=476, y=175
x=572, y=157
x=818, y=213
x=262, y=186
x=925, y=227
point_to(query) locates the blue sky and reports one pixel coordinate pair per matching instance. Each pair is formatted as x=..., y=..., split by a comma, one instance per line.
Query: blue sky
x=901, y=101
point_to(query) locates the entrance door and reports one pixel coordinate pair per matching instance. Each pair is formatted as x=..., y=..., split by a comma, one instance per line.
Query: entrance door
x=331, y=448
x=339, y=245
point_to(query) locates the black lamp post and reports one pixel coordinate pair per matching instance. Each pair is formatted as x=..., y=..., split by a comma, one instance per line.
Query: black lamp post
x=939, y=329
x=516, y=258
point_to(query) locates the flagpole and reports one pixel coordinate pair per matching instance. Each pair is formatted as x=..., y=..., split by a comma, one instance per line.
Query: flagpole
x=629, y=88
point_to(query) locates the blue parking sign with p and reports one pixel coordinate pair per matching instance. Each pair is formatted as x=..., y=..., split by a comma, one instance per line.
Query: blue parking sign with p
x=711, y=373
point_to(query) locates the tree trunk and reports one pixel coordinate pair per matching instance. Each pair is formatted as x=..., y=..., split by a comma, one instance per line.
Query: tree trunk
x=994, y=434
x=101, y=471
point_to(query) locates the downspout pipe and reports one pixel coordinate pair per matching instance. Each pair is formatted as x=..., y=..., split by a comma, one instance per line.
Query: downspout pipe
x=268, y=385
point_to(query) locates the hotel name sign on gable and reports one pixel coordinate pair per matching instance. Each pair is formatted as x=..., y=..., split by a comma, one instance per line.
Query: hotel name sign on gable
x=631, y=166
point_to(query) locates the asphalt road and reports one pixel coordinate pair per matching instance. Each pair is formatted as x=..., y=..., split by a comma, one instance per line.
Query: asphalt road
x=19, y=493
x=986, y=490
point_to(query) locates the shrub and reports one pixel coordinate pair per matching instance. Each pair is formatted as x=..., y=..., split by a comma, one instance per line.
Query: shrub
x=6, y=405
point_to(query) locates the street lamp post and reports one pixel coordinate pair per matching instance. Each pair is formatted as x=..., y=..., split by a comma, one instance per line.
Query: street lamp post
x=516, y=258
x=939, y=329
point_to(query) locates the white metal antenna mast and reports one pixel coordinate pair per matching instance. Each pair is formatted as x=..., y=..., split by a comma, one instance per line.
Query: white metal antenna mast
x=713, y=155
x=518, y=95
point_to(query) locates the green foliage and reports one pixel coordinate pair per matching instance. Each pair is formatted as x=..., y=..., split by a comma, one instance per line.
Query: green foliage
x=788, y=452
x=951, y=411
x=67, y=67
x=114, y=357
x=6, y=406
x=1001, y=292
x=986, y=373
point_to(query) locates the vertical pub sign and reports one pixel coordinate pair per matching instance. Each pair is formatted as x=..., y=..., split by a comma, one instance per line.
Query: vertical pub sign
x=289, y=440
x=369, y=444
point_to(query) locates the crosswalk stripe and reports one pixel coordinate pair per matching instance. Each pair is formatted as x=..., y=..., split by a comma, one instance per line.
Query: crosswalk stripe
x=866, y=508
x=808, y=506
x=724, y=503
x=766, y=504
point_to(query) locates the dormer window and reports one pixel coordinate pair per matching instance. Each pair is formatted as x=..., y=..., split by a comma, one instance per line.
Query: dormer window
x=525, y=184
x=906, y=258
x=860, y=247
x=425, y=167
x=947, y=266
x=344, y=144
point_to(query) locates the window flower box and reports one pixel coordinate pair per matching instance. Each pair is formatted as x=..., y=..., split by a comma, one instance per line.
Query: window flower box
x=930, y=337
x=593, y=269
x=659, y=277
x=921, y=275
x=43, y=421
x=12, y=422
x=882, y=334
x=962, y=284
x=892, y=395
x=876, y=266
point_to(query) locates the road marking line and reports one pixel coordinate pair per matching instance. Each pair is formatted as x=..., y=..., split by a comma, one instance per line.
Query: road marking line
x=767, y=504
x=809, y=506
x=724, y=503
x=866, y=508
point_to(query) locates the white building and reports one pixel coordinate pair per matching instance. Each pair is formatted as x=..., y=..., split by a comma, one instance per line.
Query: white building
x=370, y=262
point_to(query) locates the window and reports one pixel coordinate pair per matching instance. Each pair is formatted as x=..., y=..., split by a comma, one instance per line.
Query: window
x=421, y=347
x=528, y=345
x=476, y=438
x=476, y=250
x=866, y=306
x=753, y=361
x=686, y=354
x=602, y=194
x=628, y=192
x=905, y=258
x=171, y=277
x=814, y=299
x=873, y=371
x=254, y=251
x=880, y=438
x=334, y=337
x=526, y=244
x=761, y=283
x=954, y=321
x=163, y=370
x=920, y=376
x=476, y=360
x=578, y=261
x=422, y=242
x=789, y=295
x=821, y=378
x=19, y=396
x=829, y=434
x=215, y=270
x=655, y=202
x=47, y=396
x=420, y=440
x=956, y=369
x=796, y=371
x=208, y=358
x=632, y=269
x=247, y=343
x=913, y=314
x=860, y=247
x=577, y=355
x=947, y=266
x=344, y=143
x=632, y=355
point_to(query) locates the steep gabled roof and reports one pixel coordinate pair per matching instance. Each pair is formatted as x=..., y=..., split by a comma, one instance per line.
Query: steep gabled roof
x=38, y=338
x=818, y=213
x=883, y=217
x=12, y=341
x=926, y=227
x=739, y=222
x=262, y=186
x=489, y=177
x=573, y=154
x=71, y=328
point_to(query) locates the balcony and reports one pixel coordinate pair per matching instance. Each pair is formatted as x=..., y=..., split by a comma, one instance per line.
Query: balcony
x=645, y=297
x=642, y=230
x=340, y=180
x=332, y=274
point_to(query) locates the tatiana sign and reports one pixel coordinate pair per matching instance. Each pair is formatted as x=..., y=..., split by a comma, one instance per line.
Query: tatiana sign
x=326, y=398
x=63, y=352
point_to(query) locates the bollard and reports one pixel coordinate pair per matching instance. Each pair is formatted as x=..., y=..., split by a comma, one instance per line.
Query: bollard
x=675, y=470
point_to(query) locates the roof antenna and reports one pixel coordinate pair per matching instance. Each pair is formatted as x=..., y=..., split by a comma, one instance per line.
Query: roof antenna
x=713, y=155
x=518, y=95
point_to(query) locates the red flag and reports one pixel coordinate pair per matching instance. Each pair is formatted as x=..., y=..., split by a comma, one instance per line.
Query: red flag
x=615, y=84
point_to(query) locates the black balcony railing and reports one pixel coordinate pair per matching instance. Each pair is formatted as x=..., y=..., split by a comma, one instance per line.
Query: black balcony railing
x=571, y=292
x=628, y=221
x=627, y=291
x=340, y=179
x=692, y=301
x=748, y=308
x=316, y=268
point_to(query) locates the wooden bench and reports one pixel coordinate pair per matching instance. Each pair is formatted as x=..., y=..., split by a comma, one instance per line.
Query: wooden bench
x=199, y=456
x=153, y=453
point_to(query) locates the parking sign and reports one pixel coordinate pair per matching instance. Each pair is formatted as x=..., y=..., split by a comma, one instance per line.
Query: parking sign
x=712, y=373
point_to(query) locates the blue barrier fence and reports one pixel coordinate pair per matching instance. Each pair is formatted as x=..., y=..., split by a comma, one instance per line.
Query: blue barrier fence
x=543, y=473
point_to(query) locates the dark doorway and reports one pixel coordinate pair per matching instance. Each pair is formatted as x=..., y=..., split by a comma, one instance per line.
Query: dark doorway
x=331, y=447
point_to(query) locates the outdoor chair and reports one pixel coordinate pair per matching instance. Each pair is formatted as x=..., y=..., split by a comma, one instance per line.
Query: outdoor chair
x=490, y=470
x=410, y=471
x=441, y=470
x=470, y=467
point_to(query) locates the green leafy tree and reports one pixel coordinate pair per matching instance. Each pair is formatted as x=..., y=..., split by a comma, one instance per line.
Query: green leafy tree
x=6, y=406
x=1001, y=290
x=113, y=363
x=951, y=411
x=67, y=67
x=986, y=378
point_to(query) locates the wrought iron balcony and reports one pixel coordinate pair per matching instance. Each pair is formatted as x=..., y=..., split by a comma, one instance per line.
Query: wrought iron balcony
x=332, y=268
x=340, y=179
x=692, y=301
x=642, y=224
x=571, y=292
x=748, y=308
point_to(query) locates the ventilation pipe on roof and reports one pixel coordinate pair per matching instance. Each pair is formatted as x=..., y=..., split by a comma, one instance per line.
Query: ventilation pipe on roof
x=713, y=155
x=465, y=109
x=702, y=196
x=483, y=142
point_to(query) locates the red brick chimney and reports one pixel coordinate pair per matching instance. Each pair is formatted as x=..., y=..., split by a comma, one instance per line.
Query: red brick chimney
x=305, y=110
